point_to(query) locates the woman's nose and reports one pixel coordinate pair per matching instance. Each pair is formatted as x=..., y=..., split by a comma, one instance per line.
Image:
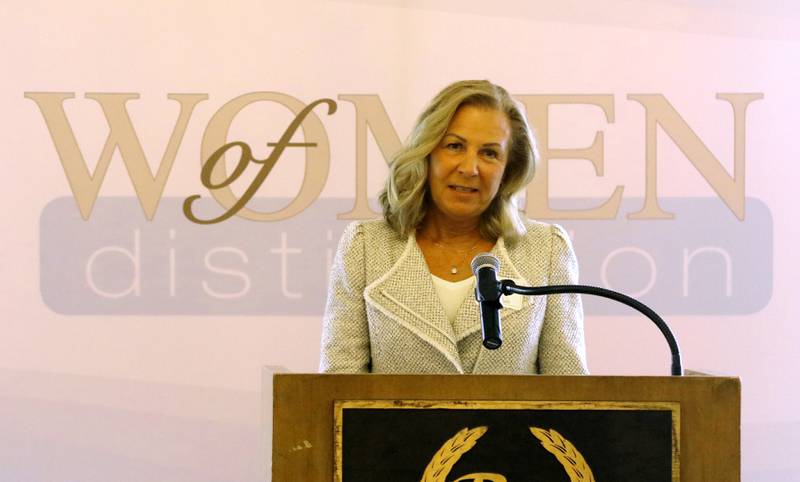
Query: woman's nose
x=469, y=164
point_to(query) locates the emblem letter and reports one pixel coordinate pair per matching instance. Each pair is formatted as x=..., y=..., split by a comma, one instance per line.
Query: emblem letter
x=482, y=477
x=215, y=177
x=370, y=114
x=659, y=112
x=537, y=202
x=121, y=135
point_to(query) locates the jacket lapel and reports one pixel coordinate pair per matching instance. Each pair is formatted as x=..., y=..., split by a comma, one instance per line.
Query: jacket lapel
x=508, y=316
x=509, y=271
x=406, y=295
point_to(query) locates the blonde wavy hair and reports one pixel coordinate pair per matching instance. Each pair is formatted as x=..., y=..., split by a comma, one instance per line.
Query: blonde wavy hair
x=405, y=198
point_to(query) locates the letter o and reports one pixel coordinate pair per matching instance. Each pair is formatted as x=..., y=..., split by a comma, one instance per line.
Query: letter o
x=317, y=158
x=630, y=249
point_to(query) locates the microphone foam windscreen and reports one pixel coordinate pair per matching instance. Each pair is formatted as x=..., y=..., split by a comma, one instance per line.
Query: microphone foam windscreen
x=484, y=259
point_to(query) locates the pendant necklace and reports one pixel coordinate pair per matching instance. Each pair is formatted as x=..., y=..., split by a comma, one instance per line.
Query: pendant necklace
x=454, y=266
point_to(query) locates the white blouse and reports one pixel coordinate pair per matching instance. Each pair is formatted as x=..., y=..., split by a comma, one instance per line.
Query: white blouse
x=452, y=294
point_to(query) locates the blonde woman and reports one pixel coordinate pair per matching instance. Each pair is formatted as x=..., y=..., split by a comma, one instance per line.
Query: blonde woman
x=401, y=295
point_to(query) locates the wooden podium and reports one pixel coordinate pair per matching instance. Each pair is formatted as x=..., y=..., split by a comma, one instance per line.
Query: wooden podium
x=571, y=428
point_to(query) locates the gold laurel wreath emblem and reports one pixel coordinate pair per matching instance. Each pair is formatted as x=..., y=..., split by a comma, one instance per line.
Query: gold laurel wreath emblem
x=567, y=454
x=452, y=450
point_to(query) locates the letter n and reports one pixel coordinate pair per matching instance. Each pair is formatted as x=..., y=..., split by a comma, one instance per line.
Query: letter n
x=659, y=112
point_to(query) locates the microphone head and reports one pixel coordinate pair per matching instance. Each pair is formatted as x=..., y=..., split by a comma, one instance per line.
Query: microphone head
x=485, y=259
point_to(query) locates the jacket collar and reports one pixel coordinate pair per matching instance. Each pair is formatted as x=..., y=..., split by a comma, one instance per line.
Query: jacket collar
x=406, y=294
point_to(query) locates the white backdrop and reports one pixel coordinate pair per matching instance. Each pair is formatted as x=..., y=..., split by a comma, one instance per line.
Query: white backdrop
x=131, y=348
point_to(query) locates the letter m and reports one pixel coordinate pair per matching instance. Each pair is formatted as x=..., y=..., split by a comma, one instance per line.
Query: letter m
x=121, y=136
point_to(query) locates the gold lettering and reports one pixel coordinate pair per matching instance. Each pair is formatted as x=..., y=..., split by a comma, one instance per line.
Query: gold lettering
x=85, y=185
x=659, y=112
x=481, y=477
x=537, y=202
x=370, y=114
x=214, y=174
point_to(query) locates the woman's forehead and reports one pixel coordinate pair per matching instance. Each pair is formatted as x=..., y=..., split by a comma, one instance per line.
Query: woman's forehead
x=479, y=124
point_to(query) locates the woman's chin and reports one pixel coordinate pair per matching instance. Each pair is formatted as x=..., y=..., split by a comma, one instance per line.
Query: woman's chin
x=462, y=215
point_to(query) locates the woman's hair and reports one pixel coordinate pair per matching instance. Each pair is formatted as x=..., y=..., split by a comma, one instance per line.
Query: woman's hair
x=405, y=199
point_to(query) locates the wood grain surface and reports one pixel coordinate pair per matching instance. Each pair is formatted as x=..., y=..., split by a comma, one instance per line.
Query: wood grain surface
x=303, y=412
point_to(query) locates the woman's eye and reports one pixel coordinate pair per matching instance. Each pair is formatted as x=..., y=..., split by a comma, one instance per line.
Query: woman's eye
x=453, y=146
x=491, y=153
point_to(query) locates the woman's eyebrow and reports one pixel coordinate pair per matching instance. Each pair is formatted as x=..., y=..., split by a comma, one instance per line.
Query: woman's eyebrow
x=456, y=136
x=488, y=144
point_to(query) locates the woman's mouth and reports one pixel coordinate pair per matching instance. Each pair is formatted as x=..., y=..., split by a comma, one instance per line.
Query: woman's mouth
x=463, y=189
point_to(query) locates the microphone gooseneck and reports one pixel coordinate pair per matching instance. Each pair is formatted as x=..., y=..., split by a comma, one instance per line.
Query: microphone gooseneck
x=487, y=286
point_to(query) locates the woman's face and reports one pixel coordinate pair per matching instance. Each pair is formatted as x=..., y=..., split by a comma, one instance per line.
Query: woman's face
x=468, y=164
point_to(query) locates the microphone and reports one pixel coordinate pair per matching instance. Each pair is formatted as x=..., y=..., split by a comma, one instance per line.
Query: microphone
x=487, y=292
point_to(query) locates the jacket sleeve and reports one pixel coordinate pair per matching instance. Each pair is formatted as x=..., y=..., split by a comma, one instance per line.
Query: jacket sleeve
x=562, y=348
x=345, y=333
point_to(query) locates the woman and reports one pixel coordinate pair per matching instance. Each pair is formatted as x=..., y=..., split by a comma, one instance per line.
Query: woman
x=401, y=294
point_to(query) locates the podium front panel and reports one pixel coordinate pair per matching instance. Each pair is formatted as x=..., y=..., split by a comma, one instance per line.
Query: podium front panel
x=354, y=428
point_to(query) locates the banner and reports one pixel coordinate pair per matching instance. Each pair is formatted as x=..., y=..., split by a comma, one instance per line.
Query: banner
x=144, y=288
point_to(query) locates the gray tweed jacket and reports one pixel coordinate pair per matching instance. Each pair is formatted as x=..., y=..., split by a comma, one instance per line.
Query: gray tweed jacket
x=383, y=314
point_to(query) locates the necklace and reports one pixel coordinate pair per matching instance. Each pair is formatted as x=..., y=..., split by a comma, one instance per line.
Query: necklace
x=454, y=266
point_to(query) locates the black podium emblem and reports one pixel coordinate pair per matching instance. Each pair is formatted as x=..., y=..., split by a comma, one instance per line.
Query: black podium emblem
x=506, y=441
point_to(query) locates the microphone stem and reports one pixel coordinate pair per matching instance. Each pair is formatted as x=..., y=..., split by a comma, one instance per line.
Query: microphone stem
x=509, y=287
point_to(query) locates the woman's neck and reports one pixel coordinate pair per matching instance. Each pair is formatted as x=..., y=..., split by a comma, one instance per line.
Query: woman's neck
x=437, y=228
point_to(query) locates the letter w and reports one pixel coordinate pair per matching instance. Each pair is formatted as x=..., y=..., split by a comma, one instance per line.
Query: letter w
x=85, y=185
